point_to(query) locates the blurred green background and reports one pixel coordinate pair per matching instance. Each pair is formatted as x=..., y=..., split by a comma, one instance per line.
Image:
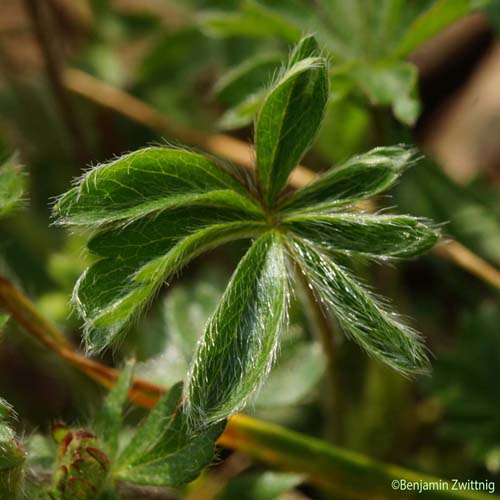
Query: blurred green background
x=419, y=72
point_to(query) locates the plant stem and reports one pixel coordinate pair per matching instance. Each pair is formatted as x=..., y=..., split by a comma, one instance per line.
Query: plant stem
x=209, y=486
x=324, y=331
x=127, y=105
x=349, y=475
x=37, y=11
x=342, y=473
x=463, y=257
x=25, y=313
x=235, y=150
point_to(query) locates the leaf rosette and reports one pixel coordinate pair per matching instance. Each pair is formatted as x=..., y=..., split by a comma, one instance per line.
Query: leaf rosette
x=156, y=209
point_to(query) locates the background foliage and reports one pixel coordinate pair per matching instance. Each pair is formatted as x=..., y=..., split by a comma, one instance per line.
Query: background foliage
x=200, y=68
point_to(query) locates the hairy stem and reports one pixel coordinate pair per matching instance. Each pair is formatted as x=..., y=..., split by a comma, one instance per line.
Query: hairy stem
x=323, y=329
x=349, y=475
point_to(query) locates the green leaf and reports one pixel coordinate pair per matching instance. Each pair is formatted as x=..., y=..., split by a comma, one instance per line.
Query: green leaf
x=243, y=113
x=374, y=36
x=163, y=452
x=6, y=410
x=160, y=208
x=260, y=486
x=290, y=118
x=12, y=185
x=392, y=83
x=12, y=457
x=137, y=259
x=254, y=19
x=148, y=181
x=369, y=235
x=108, y=423
x=41, y=453
x=240, y=341
x=243, y=91
x=359, y=178
x=247, y=78
x=441, y=14
x=298, y=370
x=364, y=318
x=361, y=30
x=339, y=472
x=183, y=316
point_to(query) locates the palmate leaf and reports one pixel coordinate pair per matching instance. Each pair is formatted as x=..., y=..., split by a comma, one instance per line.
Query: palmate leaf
x=290, y=118
x=363, y=317
x=155, y=210
x=137, y=259
x=240, y=341
x=158, y=209
x=370, y=235
x=359, y=178
x=164, y=451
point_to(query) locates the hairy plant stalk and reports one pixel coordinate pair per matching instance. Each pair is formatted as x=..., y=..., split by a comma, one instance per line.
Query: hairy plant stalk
x=322, y=327
x=235, y=150
x=331, y=468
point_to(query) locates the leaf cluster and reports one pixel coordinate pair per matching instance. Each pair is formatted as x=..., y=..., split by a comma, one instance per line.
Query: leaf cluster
x=367, y=41
x=155, y=210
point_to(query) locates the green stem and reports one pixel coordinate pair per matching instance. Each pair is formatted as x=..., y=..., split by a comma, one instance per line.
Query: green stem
x=342, y=473
x=324, y=332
